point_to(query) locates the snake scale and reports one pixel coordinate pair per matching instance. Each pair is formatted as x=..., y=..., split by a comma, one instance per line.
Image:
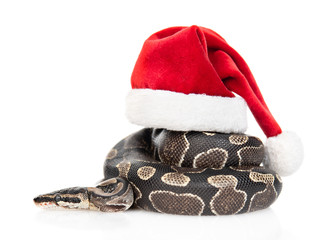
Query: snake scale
x=187, y=173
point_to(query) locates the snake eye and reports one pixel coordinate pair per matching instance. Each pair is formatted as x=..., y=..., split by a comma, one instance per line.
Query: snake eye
x=57, y=198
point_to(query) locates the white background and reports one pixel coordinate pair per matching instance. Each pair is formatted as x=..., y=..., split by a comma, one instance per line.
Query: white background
x=65, y=70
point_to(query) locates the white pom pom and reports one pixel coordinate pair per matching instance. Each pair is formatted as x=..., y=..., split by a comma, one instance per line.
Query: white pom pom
x=284, y=153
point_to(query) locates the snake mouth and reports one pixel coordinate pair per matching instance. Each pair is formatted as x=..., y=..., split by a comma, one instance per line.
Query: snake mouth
x=44, y=202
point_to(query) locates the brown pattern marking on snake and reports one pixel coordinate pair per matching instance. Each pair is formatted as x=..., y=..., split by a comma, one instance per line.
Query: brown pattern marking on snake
x=263, y=198
x=187, y=169
x=238, y=139
x=175, y=179
x=112, y=154
x=175, y=203
x=228, y=200
x=205, y=159
x=146, y=172
x=251, y=155
x=137, y=192
x=174, y=149
x=209, y=133
x=123, y=168
x=243, y=168
x=278, y=177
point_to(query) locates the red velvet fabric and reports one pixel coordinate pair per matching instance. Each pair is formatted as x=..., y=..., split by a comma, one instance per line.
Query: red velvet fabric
x=198, y=60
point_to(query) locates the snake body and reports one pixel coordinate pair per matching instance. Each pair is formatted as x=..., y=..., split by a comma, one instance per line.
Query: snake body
x=194, y=173
x=187, y=173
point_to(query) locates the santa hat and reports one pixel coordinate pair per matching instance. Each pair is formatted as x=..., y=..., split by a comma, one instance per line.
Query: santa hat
x=186, y=79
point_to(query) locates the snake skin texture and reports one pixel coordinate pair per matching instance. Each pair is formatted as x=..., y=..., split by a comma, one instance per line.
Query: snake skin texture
x=194, y=173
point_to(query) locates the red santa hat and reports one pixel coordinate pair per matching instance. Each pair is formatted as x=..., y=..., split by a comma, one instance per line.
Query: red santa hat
x=189, y=78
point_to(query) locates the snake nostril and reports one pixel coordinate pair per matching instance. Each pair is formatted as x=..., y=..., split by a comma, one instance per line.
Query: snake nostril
x=36, y=200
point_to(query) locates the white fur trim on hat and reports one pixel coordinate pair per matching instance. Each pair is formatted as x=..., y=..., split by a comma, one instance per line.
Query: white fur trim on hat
x=186, y=112
x=284, y=153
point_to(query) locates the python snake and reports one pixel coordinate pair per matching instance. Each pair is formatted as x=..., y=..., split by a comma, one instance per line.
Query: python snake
x=187, y=173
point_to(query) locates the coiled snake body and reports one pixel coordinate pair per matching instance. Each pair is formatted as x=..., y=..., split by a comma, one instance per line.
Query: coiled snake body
x=189, y=173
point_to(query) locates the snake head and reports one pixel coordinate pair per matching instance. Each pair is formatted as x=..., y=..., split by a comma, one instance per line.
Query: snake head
x=71, y=198
x=111, y=195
